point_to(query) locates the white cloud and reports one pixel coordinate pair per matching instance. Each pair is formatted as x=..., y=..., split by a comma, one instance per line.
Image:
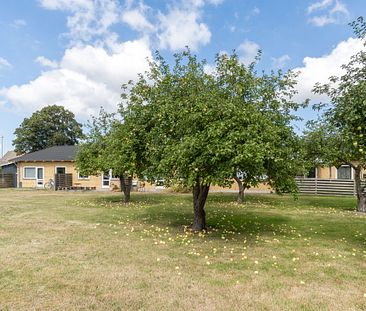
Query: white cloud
x=89, y=19
x=17, y=23
x=339, y=8
x=95, y=64
x=247, y=51
x=180, y=28
x=329, y=12
x=280, y=62
x=320, y=5
x=4, y=63
x=182, y=25
x=321, y=20
x=215, y=2
x=194, y=3
x=45, y=62
x=255, y=11
x=93, y=67
x=319, y=69
x=66, y=4
x=136, y=20
x=110, y=68
x=63, y=87
x=251, y=14
x=87, y=78
x=200, y=3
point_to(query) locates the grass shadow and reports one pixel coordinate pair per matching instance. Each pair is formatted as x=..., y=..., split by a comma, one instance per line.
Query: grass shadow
x=263, y=215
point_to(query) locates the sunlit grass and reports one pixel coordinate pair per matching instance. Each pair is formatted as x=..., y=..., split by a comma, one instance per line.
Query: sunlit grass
x=90, y=251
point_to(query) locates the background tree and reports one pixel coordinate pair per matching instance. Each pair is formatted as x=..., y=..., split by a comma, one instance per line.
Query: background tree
x=112, y=145
x=344, y=118
x=91, y=156
x=50, y=126
x=202, y=127
x=319, y=144
x=266, y=100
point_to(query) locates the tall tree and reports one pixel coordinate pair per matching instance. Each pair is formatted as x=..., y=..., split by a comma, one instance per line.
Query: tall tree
x=50, y=126
x=202, y=127
x=345, y=116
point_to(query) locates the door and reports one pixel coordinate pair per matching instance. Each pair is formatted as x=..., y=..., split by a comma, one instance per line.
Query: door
x=39, y=177
x=106, y=179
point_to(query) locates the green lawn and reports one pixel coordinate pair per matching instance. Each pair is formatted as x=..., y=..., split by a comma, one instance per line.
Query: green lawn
x=88, y=251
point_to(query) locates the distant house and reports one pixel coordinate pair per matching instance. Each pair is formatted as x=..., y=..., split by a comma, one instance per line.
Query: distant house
x=37, y=168
x=7, y=165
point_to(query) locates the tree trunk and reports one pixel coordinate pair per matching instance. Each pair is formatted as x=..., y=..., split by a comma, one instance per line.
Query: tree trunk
x=126, y=185
x=200, y=193
x=241, y=189
x=361, y=197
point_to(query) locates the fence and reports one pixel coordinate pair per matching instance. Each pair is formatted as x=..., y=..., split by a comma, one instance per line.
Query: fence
x=327, y=186
x=63, y=181
x=7, y=180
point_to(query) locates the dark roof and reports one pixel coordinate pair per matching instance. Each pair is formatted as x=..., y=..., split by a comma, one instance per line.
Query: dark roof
x=8, y=158
x=57, y=153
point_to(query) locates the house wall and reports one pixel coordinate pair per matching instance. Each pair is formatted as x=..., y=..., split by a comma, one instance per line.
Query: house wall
x=327, y=172
x=93, y=181
x=331, y=173
x=49, y=173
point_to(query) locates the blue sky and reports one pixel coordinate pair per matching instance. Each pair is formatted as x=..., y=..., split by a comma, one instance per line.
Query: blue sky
x=77, y=53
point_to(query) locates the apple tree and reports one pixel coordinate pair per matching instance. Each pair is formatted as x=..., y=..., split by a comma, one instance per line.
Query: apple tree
x=112, y=144
x=202, y=127
x=345, y=116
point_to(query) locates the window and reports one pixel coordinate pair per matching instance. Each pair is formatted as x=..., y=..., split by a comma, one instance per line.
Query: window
x=39, y=172
x=60, y=170
x=106, y=179
x=160, y=183
x=311, y=173
x=81, y=176
x=344, y=172
x=29, y=172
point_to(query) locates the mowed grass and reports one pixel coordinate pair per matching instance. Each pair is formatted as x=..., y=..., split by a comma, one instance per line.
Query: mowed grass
x=88, y=251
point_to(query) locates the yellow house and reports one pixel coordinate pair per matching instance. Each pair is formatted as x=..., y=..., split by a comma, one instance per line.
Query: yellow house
x=35, y=169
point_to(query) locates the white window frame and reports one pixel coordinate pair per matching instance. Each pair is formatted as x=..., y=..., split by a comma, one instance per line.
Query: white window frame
x=83, y=178
x=109, y=179
x=56, y=167
x=162, y=180
x=346, y=165
x=35, y=173
x=40, y=179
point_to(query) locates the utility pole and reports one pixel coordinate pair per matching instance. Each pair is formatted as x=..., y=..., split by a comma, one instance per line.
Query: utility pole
x=2, y=145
